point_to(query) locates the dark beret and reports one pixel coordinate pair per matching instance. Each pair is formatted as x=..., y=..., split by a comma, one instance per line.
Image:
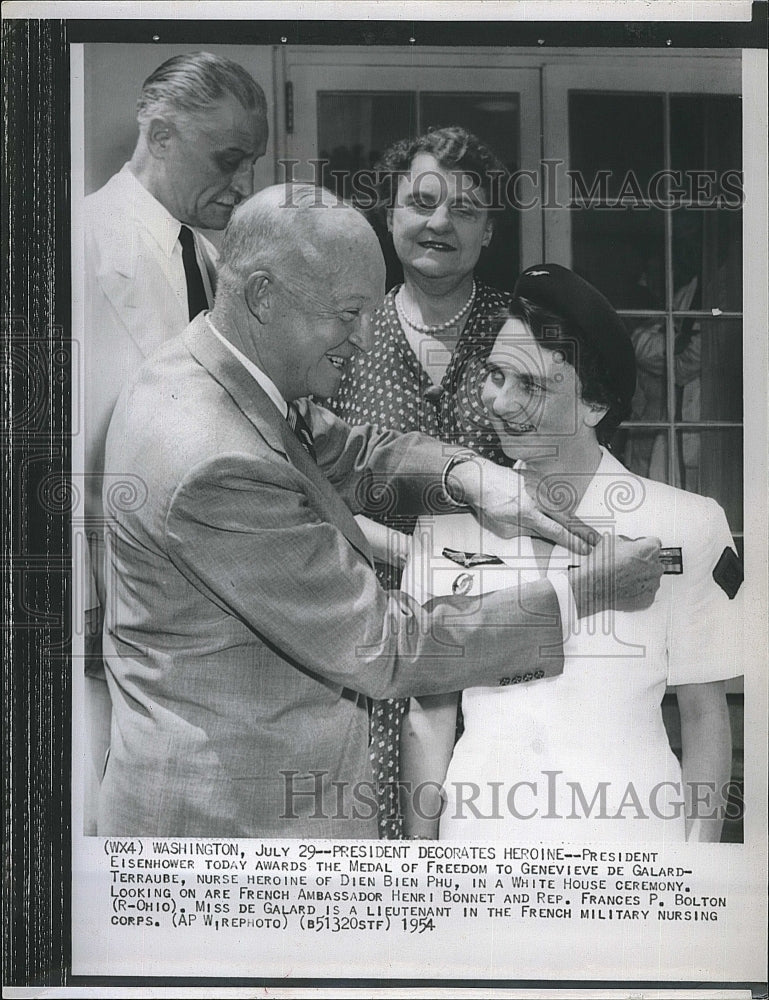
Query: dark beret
x=558, y=290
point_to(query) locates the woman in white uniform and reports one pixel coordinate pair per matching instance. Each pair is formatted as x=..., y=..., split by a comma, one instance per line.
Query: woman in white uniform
x=585, y=755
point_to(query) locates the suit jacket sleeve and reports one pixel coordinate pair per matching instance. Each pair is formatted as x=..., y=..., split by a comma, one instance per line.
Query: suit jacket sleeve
x=243, y=530
x=380, y=471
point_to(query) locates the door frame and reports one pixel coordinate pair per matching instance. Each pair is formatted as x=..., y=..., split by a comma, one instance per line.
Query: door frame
x=306, y=71
x=671, y=75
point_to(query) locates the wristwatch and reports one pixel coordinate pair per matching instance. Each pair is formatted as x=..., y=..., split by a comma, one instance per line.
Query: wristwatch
x=457, y=459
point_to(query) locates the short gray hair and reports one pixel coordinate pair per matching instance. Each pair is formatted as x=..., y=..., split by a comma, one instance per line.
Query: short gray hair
x=278, y=230
x=186, y=86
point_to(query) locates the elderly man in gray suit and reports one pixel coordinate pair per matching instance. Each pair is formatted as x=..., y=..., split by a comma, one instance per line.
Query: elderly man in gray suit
x=245, y=626
x=148, y=270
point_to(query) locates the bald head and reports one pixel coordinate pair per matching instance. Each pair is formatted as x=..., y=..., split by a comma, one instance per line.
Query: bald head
x=299, y=275
x=294, y=231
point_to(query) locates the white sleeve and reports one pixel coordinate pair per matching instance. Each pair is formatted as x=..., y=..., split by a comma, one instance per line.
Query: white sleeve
x=705, y=625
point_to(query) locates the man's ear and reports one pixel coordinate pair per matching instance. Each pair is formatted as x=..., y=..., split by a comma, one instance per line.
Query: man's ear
x=488, y=233
x=160, y=135
x=594, y=414
x=259, y=293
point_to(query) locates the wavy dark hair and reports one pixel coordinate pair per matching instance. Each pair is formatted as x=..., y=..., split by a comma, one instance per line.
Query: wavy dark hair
x=555, y=333
x=454, y=148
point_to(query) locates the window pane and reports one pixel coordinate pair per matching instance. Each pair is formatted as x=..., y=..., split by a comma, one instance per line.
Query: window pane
x=710, y=463
x=644, y=452
x=494, y=118
x=705, y=132
x=650, y=401
x=707, y=259
x=623, y=254
x=619, y=133
x=708, y=369
x=706, y=149
x=354, y=129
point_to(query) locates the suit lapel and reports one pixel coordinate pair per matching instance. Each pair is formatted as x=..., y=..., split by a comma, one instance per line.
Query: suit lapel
x=248, y=395
x=130, y=278
x=262, y=413
x=335, y=508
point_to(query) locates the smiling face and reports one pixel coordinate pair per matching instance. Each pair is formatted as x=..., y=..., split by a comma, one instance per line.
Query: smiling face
x=208, y=167
x=439, y=224
x=321, y=320
x=533, y=397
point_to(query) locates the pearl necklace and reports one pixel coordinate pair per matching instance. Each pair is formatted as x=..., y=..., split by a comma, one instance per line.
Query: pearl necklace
x=439, y=327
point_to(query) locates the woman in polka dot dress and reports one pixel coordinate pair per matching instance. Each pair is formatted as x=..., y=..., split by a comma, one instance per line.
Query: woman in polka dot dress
x=430, y=338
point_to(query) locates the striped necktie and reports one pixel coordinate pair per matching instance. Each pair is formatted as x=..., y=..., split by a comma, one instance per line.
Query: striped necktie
x=197, y=300
x=301, y=429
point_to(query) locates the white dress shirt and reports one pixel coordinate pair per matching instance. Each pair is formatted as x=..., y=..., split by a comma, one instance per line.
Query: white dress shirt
x=162, y=230
x=255, y=372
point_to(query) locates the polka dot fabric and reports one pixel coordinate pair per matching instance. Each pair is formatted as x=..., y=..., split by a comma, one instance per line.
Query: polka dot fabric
x=387, y=387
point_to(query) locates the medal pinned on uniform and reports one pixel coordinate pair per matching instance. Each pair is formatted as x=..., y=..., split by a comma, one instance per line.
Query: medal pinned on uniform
x=471, y=559
x=463, y=584
x=672, y=560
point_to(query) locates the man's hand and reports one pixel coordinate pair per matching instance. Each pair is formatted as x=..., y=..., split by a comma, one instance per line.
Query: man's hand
x=620, y=573
x=509, y=506
x=387, y=545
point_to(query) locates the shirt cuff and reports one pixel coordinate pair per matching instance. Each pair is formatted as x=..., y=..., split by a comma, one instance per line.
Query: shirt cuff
x=566, y=603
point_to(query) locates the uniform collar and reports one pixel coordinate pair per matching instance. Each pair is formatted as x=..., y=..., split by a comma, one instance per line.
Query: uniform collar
x=604, y=494
x=598, y=498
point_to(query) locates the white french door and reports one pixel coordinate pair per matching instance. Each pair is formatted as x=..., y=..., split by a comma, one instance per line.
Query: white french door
x=346, y=106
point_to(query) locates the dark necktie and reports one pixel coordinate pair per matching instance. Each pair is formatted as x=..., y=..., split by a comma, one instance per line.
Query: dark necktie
x=196, y=292
x=301, y=429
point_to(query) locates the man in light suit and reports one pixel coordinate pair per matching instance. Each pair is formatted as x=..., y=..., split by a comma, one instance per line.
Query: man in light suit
x=148, y=272
x=245, y=626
